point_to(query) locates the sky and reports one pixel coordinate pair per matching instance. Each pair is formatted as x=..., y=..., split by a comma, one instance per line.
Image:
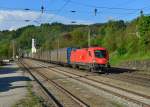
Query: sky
x=13, y=14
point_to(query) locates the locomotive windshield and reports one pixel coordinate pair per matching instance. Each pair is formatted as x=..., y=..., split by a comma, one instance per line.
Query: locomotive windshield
x=100, y=53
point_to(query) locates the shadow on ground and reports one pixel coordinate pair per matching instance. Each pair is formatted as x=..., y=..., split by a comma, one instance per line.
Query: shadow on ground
x=121, y=70
x=116, y=70
x=6, y=82
x=8, y=70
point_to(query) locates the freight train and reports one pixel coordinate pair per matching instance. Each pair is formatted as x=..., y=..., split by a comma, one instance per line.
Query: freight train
x=93, y=58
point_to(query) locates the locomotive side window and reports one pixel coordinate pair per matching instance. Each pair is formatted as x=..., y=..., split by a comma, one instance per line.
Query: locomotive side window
x=100, y=53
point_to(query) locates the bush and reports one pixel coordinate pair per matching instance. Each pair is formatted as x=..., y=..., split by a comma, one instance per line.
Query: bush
x=121, y=51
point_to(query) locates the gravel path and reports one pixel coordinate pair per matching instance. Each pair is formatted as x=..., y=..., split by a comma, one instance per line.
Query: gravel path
x=12, y=85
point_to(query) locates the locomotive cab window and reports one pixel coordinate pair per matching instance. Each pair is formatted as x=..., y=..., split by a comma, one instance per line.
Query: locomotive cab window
x=100, y=53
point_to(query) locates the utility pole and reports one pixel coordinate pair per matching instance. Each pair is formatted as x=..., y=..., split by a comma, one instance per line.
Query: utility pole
x=58, y=44
x=141, y=13
x=137, y=33
x=95, y=11
x=42, y=7
x=14, y=50
x=89, y=36
x=89, y=30
x=57, y=48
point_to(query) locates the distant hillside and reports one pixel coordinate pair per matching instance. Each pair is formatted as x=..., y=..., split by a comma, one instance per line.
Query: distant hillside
x=122, y=39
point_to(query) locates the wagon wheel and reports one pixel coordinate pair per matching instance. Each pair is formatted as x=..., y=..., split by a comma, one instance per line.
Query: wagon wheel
x=74, y=66
x=91, y=68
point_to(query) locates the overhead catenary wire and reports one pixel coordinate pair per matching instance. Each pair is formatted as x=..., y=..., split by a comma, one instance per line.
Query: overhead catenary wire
x=69, y=10
x=80, y=3
x=57, y=12
x=146, y=7
x=103, y=7
x=127, y=2
x=130, y=11
x=94, y=6
x=51, y=10
x=60, y=9
x=41, y=14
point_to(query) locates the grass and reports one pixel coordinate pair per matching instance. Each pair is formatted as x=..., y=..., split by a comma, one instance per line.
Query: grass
x=116, y=104
x=116, y=60
x=31, y=100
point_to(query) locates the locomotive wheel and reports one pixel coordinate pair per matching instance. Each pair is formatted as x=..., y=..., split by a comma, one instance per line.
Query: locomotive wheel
x=106, y=70
x=100, y=70
x=91, y=68
x=74, y=66
x=108, y=66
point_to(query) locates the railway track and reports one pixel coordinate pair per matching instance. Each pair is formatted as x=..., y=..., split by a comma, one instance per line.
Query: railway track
x=142, y=77
x=131, y=79
x=131, y=96
x=75, y=102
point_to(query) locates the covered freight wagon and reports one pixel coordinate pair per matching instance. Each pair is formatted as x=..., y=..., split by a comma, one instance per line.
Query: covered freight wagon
x=61, y=56
x=54, y=56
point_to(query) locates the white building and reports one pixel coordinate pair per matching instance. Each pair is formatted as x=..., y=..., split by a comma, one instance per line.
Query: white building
x=33, y=46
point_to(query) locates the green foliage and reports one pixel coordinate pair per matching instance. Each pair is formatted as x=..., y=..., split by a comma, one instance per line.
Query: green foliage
x=5, y=49
x=121, y=51
x=144, y=31
x=119, y=37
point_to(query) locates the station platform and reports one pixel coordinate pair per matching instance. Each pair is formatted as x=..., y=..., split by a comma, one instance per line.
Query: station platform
x=13, y=85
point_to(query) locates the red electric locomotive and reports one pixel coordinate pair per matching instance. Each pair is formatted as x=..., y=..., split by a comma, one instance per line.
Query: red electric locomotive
x=93, y=58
